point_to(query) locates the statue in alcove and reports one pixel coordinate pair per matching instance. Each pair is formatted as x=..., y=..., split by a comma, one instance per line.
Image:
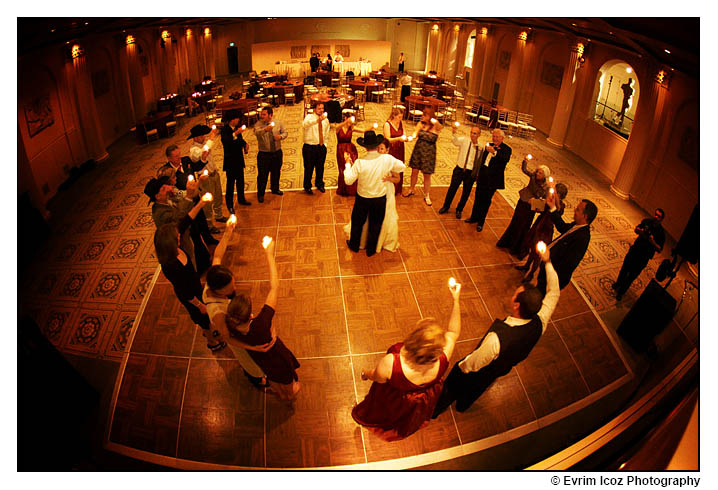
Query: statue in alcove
x=627, y=94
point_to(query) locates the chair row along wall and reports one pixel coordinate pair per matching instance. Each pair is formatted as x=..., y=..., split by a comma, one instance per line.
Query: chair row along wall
x=559, y=79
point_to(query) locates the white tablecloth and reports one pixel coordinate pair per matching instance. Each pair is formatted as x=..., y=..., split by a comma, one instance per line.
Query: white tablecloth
x=360, y=68
x=292, y=70
x=302, y=69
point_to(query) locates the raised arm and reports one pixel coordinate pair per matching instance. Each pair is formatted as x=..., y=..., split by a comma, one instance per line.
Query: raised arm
x=525, y=168
x=273, y=295
x=550, y=299
x=454, y=330
x=222, y=245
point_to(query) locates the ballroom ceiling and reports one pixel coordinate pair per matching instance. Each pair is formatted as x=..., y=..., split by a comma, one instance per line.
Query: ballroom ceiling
x=673, y=41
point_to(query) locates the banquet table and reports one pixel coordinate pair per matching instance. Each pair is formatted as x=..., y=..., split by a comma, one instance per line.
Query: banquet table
x=360, y=68
x=367, y=87
x=423, y=102
x=202, y=98
x=269, y=77
x=155, y=121
x=168, y=103
x=385, y=76
x=326, y=77
x=292, y=70
x=277, y=88
x=206, y=86
x=432, y=80
x=324, y=98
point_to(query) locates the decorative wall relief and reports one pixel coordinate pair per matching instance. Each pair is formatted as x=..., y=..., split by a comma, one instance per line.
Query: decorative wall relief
x=38, y=115
x=504, y=59
x=298, y=52
x=552, y=75
x=344, y=50
x=322, y=49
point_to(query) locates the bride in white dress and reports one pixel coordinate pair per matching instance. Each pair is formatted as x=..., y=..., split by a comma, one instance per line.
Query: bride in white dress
x=389, y=234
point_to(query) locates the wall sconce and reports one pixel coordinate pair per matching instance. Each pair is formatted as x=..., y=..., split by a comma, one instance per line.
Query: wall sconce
x=663, y=78
x=130, y=39
x=188, y=32
x=457, y=27
x=207, y=32
x=76, y=51
x=523, y=36
x=165, y=35
x=435, y=27
x=484, y=31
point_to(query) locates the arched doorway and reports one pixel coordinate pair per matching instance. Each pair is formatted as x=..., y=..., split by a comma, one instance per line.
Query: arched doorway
x=617, y=93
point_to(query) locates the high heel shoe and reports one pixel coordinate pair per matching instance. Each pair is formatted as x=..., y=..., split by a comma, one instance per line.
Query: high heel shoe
x=427, y=200
x=411, y=193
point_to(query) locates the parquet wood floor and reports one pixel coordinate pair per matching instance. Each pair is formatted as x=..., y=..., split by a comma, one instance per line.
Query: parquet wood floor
x=338, y=312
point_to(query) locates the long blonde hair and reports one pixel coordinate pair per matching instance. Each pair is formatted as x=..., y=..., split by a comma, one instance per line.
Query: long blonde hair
x=426, y=343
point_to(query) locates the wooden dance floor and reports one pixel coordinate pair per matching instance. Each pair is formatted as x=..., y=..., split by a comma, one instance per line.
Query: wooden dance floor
x=177, y=404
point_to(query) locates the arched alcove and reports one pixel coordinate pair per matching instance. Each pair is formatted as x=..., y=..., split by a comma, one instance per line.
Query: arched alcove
x=616, y=96
x=470, y=45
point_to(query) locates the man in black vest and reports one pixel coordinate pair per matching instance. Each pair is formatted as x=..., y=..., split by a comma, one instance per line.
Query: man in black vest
x=234, y=150
x=506, y=344
x=314, y=62
x=494, y=158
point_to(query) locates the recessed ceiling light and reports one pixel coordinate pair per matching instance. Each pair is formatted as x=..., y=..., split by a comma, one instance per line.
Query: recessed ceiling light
x=573, y=24
x=667, y=51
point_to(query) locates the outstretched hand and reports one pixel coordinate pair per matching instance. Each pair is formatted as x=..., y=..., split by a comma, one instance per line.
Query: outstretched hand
x=455, y=290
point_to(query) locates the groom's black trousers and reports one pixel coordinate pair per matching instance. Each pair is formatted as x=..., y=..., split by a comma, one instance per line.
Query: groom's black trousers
x=375, y=209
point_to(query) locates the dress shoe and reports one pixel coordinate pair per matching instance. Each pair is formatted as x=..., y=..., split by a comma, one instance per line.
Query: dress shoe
x=308, y=191
x=214, y=230
x=352, y=249
x=479, y=227
x=260, y=198
x=244, y=203
x=221, y=219
x=470, y=220
x=458, y=214
x=443, y=210
x=279, y=193
x=321, y=189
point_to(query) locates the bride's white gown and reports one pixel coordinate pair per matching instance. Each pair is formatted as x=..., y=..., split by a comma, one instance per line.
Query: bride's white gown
x=389, y=235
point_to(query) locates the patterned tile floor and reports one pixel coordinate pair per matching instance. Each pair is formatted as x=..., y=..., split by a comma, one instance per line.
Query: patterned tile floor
x=93, y=275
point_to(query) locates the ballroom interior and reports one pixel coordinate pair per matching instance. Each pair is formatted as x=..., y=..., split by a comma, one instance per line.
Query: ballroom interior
x=611, y=106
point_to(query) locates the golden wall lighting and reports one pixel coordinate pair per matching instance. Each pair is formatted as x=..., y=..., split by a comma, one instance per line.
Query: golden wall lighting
x=484, y=31
x=457, y=27
x=580, y=48
x=523, y=36
x=76, y=51
x=130, y=39
x=435, y=27
x=188, y=32
x=661, y=76
x=165, y=35
x=207, y=32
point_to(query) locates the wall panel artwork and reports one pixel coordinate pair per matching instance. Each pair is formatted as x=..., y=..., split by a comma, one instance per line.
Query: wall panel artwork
x=322, y=49
x=344, y=50
x=298, y=52
x=551, y=75
x=38, y=115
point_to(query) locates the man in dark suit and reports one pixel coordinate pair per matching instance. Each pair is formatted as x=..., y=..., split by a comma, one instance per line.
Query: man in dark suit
x=314, y=62
x=494, y=158
x=568, y=250
x=234, y=150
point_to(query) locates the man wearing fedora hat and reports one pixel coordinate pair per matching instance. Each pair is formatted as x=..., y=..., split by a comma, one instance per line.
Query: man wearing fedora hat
x=234, y=150
x=371, y=172
x=201, y=151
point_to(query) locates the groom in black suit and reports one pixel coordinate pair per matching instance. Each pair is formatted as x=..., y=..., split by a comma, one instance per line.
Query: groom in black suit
x=493, y=162
x=568, y=250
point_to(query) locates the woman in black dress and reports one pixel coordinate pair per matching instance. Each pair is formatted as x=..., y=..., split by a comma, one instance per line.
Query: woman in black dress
x=513, y=237
x=247, y=331
x=423, y=157
x=180, y=272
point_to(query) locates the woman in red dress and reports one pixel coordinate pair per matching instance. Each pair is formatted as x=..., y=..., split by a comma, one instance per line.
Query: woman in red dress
x=344, y=144
x=407, y=381
x=394, y=133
